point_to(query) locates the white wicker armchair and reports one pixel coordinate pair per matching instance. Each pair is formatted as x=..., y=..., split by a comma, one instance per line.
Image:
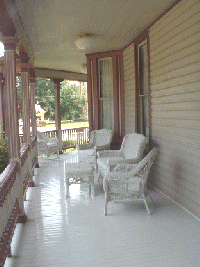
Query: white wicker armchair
x=131, y=151
x=99, y=140
x=128, y=181
x=47, y=145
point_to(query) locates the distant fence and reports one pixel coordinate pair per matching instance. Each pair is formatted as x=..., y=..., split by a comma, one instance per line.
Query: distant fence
x=70, y=137
x=74, y=136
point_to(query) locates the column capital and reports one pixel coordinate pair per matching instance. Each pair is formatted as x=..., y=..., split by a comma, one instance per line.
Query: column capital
x=57, y=81
x=25, y=67
x=32, y=79
x=9, y=42
x=32, y=75
x=23, y=55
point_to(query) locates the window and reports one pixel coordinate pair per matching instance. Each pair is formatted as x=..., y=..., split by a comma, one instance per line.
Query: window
x=142, y=89
x=106, y=93
x=106, y=101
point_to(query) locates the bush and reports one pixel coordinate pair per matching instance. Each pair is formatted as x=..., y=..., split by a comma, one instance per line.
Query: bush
x=41, y=124
x=4, y=154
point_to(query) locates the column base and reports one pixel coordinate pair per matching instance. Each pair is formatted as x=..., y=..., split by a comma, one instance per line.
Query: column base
x=9, y=254
x=22, y=219
x=37, y=165
x=31, y=184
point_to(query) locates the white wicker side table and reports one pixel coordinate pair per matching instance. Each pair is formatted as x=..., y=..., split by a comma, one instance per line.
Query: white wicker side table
x=80, y=172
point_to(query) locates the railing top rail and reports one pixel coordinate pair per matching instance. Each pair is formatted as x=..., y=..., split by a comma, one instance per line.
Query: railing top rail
x=12, y=167
x=33, y=138
x=24, y=149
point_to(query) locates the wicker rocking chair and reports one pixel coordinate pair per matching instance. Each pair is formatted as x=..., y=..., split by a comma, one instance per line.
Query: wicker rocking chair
x=131, y=151
x=128, y=181
x=47, y=145
x=99, y=140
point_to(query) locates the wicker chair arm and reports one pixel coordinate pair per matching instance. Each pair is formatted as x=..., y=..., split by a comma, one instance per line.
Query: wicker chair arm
x=85, y=146
x=124, y=167
x=52, y=140
x=113, y=161
x=109, y=153
x=118, y=176
x=103, y=147
x=42, y=142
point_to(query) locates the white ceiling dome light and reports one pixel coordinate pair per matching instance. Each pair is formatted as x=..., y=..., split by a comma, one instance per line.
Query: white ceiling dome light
x=84, y=41
x=84, y=68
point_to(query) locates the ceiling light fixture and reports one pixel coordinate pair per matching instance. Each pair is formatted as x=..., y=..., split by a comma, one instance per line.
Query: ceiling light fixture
x=84, y=41
x=84, y=68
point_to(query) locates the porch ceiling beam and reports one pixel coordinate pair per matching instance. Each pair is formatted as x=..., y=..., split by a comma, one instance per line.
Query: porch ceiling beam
x=60, y=74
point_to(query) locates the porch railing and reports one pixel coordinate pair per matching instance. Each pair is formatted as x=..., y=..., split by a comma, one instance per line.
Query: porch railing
x=9, y=207
x=74, y=136
x=70, y=137
x=13, y=184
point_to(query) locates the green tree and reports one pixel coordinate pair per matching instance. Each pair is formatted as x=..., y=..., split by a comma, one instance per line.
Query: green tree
x=45, y=96
x=19, y=95
x=71, y=101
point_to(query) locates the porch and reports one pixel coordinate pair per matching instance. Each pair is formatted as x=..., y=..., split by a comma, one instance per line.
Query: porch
x=75, y=232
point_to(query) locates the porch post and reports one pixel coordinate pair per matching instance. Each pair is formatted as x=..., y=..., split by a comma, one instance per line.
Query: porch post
x=32, y=102
x=26, y=110
x=1, y=104
x=11, y=114
x=32, y=108
x=57, y=112
x=25, y=100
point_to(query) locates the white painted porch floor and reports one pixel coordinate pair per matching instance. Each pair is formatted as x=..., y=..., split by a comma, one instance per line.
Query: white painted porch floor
x=74, y=232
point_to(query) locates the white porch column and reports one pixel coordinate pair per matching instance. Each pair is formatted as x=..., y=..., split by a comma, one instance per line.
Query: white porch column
x=26, y=110
x=11, y=113
x=32, y=108
x=12, y=124
x=57, y=111
x=25, y=102
x=32, y=102
x=1, y=104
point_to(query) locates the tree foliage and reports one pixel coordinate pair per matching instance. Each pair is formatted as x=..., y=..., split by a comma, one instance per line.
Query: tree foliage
x=71, y=101
x=45, y=96
x=4, y=154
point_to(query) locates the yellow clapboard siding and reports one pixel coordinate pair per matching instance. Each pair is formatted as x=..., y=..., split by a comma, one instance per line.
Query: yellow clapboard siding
x=171, y=18
x=178, y=63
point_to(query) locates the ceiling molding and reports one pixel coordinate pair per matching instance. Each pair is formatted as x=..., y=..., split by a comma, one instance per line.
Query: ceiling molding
x=20, y=29
x=60, y=74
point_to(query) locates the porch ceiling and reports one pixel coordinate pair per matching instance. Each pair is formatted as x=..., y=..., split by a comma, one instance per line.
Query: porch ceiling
x=49, y=28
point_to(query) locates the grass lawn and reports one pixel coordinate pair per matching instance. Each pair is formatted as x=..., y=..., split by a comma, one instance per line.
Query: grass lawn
x=68, y=124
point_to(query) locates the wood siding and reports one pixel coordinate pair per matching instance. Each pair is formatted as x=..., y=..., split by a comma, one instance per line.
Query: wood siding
x=175, y=102
x=129, y=83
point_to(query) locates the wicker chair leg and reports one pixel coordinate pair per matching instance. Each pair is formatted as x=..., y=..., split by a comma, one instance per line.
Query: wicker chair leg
x=67, y=189
x=106, y=202
x=89, y=189
x=146, y=205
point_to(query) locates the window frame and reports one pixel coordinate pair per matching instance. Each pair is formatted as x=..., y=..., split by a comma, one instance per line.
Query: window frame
x=140, y=40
